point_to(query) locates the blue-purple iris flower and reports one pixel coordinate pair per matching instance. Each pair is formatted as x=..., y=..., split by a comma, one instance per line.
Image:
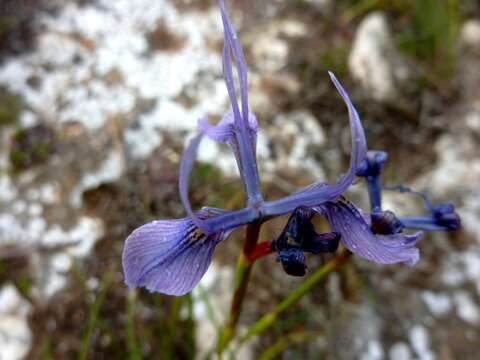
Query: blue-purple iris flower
x=171, y=256
x=442, y=217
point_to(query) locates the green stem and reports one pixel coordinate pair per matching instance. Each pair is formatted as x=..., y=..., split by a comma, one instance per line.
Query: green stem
x=242, y=277
x=134, y=351
x=94, y=315
x=274, y=351
x=269, y=319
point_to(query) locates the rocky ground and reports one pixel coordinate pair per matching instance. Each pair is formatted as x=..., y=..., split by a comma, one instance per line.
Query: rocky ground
x=97, y=100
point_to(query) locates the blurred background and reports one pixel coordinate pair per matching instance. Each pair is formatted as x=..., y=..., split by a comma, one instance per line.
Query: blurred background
x=97, y=100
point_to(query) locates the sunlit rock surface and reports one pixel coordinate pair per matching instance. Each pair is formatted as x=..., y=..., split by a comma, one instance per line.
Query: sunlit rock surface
x=15, y=334
x=374, y=61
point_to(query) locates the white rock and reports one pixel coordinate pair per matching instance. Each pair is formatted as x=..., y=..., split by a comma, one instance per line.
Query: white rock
x=470, y=33
x=303, y=132
x=110, y=170
x=215, y=287
x=467, y=310
x=420, y=341
x=373, y=60
x=472, y=120
x=270, y=51
x=15, y=334
x=438, y=304
x=374, y=351
x=400, y=351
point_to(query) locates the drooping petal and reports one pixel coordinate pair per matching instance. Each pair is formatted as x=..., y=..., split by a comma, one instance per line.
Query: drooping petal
x=169, y=256
x=318, y=193
x=356, y=235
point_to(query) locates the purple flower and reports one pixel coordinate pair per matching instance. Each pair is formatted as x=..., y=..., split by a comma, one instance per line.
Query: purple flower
x=171, y=256
x=442, y=217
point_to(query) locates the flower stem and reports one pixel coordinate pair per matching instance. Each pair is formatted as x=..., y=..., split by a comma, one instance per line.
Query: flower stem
x=242, y=276
x=269, y=319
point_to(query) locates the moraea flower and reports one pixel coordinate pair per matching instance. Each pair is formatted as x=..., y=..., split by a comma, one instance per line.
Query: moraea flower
x=171, y=256
x=442, y=217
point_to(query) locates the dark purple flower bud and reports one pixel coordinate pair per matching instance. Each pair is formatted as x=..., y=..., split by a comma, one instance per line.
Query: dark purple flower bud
x=385, y=223
x=446, y=216
x=298, y=229
x=293, y=261
x=322, y=243
x=299, y=236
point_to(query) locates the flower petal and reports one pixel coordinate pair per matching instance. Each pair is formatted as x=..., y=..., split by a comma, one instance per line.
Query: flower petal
x=224, y=131
x=246, y=146
x=356, y=235
x=233, y=44
x=186, y=165
x=169, y=256
x=318, y=193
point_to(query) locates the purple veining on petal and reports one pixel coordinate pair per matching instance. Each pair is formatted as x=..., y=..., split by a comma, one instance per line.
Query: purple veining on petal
x=170, y=256
x=319, y=193
x=356, y=235
x=246, y=151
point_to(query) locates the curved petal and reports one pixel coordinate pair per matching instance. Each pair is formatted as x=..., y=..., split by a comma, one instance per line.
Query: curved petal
x=186, y=165
x=169, y=256
x=224, y=131
x=318, y=193
x=233, y=44
x=356, y=235
x=246, y=149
